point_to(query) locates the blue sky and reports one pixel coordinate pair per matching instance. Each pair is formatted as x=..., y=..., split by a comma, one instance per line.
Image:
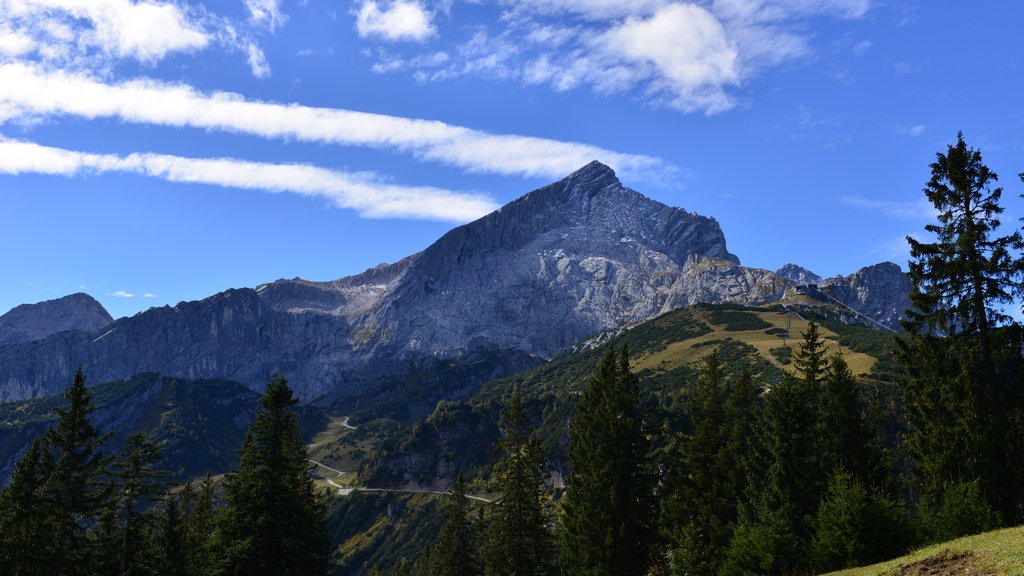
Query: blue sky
x=154, y=151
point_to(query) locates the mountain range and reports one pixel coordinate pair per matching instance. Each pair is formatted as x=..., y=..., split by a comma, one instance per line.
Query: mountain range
x=499, y=295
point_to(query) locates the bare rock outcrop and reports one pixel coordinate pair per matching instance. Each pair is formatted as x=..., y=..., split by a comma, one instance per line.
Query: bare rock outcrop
x=880, y=292
x=36, y=321
x=797, y=274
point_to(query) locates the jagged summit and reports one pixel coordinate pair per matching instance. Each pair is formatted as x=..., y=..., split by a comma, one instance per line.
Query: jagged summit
x=878, y=291
x=576, y=187
x=797, y=274
x=586, y=207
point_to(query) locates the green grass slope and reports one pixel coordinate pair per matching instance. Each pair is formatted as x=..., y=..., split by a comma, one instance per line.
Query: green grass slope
x=996, y=553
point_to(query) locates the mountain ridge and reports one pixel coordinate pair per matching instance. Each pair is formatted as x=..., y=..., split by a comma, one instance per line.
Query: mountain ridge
x=555, y=266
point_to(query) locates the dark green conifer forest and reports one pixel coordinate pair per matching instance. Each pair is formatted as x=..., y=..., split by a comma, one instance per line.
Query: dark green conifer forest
x=73, y=509
x=815, y=470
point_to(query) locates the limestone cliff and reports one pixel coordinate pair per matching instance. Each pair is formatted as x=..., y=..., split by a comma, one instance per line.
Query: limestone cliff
x=880, y=292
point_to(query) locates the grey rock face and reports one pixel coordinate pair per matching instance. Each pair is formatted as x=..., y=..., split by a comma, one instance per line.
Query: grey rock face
x=571, y=259
x=797, y=274
x=880, y=292
x=36, y=321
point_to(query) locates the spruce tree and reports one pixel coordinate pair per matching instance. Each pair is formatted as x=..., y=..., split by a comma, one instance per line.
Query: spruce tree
x=138, y=485
x=173, y=542
x=199, y=516
x=76, y=482
x=810, y=357
x=27, y=532
x=703, y=502
x=456, y=552
x=609, y=509
x=963, y=394
x=423, y=565
x=845, y=433
x=275, y=521
x=854, y=526
x=519, y=542
x=742, y=411
x=785, y=474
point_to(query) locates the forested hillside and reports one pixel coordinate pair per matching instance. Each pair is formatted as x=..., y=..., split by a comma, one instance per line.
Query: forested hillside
x=714, y=439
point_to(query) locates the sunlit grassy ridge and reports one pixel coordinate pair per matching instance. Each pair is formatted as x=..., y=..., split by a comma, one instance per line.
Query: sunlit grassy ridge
x=1000, y=552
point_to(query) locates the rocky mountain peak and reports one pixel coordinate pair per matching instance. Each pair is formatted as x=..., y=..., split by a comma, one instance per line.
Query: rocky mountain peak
x=879, y=291
x=37, y=321
x=797, y=274
x=582, y=185
x=588, y=211
x=581, y=256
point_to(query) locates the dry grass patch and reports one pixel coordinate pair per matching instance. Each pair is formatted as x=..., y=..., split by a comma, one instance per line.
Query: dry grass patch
x=337, y=447
x=687, y=352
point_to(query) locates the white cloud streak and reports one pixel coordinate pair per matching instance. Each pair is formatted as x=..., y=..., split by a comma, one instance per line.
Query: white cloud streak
x=28, y=91
x=145, y=29
x=122, y=294
x=266, y=13
x=912, y=131
x=920, y=210
x=760, y=10
x=588, y=9
x=258, y=62
x=366, y=193
x=402, y=20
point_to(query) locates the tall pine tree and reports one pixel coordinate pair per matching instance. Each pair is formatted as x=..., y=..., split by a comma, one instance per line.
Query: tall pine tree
x=519, y=542
x=609, y=510
x=199, y=516
x=786, y=478
x=27, y=532
x=172, y=552
x=703, y=502
x=845, y=432
x=138, y=486
x=275, y=521
x=457, y=550
x=76, y=482
x=963, y=396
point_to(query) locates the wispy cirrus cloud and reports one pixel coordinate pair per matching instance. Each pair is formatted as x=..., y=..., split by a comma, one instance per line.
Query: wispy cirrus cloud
x=912, y=130
x=367, y=193
x=28, y=91
x=685, y=55
x=98, y=34
x=145, y=30
x=266, y=13
x=920, y=210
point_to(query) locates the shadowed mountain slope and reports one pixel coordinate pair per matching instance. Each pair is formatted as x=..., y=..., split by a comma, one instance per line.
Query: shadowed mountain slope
x=36, y=321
